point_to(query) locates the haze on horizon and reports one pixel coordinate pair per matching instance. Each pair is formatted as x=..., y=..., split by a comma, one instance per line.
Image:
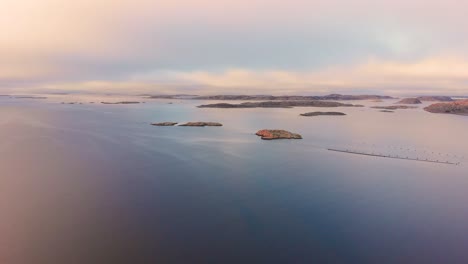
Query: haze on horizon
x=255, y=46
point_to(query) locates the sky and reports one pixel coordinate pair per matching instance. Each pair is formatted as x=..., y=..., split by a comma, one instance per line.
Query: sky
x=235, y=46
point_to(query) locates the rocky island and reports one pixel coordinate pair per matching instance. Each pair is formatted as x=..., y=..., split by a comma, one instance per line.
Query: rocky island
x=202, y=124
x=280, y=104
x=323, y=113
x=270, y=134
x=164, y=124
x=457, y=107
x=410, y=101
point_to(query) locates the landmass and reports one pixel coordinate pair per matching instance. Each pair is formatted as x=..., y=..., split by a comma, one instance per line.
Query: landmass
x=336, y=97
x=323, y=113
x=387, y=111
x=268, y=134
x=410, y=101
x=280, y=104
x=457, y=107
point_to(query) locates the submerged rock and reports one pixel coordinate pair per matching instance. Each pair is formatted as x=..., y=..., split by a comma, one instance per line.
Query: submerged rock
x=323, y=113
x=202, y=124
x=269, y=134
x=164, y=124
x=410, y=101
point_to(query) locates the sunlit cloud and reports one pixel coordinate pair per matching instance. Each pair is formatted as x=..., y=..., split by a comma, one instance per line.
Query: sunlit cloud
x=227, y=46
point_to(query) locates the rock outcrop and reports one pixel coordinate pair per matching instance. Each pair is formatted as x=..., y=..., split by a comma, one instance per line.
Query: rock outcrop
x=202, y=124
x=270, y=134
x=457, y=107
x=410, y=101
x=323, y=113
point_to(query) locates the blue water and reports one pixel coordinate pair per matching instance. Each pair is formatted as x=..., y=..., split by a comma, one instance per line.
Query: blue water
x=96, y=183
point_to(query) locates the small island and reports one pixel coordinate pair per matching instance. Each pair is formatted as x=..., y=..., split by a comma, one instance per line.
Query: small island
x=457, y=107
x=202, y=124
x=270, y=134
x=323, y=113
x=164, y=124
x=410, y=101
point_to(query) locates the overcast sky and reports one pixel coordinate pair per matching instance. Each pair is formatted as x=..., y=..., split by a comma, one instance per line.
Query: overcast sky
x=235, y=46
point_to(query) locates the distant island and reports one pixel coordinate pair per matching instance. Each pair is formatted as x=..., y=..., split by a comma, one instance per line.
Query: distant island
x=435, y=98
x=336, y=97
x=394, y=107
x=457, y=107
x=202, y=124
x=123, y=102
x=409, y=101
x=280, y=104
x=189, y=124
x=323, y=113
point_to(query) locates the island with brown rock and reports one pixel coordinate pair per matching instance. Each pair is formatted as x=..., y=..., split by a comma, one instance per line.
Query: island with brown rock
x=410, y=101
x=202, y=124
x=323, y=114
x=280, y=104
x=457, y=107
x=270, y=134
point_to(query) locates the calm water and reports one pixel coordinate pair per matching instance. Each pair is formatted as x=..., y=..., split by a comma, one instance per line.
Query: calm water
x=96, y=183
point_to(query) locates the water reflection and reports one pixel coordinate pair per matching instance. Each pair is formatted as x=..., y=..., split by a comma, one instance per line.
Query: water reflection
x=97, y=184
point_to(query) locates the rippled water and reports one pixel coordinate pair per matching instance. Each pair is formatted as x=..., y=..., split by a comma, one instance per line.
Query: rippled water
x=96, y=183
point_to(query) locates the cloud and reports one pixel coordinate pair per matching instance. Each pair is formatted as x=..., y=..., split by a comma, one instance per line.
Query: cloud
x=437, y=75
x=207, y=43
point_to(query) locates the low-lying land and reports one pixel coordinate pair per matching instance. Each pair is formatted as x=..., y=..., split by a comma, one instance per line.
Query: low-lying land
x=123, y=102
x=280, y=104
x=164, y=124
x=409, y=101
x=202, y=124
x=323, y=113
x=435, y=98
x=394, y=107
x=336, y=97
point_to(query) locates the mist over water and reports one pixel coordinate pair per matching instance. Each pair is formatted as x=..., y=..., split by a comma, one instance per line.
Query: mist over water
x=93, y=183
